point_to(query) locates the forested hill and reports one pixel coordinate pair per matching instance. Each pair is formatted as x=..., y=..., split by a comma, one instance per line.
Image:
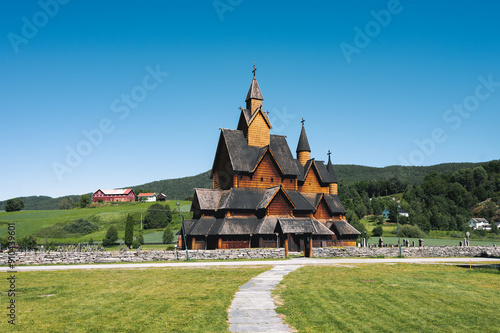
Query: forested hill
x=407, y=174
x=180, y=188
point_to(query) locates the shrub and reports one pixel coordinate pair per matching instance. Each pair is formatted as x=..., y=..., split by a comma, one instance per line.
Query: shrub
x=170, y=247
x=136, y=244
x=157, y=216
x=377, y=231
x=140, y=239
x=81, y=226
x=27, y=242
x=91, y=241
x=411, y=231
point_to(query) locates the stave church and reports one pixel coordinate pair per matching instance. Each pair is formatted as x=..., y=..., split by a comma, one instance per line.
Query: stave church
x=263, y=197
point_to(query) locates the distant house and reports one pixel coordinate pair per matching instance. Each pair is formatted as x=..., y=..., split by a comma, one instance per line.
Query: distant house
x=114, y=195
x=148, y=197
x=402, y=212
x=161, y=197
x=479, y=223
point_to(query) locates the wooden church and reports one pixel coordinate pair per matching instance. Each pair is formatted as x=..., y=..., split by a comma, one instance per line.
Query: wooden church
x=264, y=197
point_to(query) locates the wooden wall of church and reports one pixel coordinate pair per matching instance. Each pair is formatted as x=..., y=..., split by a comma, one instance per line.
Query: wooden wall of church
x=266, y=175
x=222, y=178
x=258, y=132
x=312, y=184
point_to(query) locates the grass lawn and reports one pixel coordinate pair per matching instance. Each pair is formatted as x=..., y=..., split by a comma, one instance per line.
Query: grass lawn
x=391, y=298
x=391, y=240
x=127, y=300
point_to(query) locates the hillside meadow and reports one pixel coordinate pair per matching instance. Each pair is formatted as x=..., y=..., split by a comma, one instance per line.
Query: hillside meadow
x=48, y=224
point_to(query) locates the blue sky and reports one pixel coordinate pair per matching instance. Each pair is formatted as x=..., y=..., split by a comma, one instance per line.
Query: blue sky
x=111, y=94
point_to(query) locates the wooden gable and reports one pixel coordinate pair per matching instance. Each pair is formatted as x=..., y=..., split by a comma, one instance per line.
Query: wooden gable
x=322, y=211
x=311, y=182
x=266, y=174
x=280, y=205
x=259, y=130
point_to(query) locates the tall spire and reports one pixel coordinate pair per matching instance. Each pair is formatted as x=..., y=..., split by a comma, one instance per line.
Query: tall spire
x=303, y=149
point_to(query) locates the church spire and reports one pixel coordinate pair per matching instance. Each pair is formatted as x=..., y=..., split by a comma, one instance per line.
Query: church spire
x=332, y=187
x=254, y=96
x=303, y=150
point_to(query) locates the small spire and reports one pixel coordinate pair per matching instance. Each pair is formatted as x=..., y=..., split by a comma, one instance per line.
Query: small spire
x=254, y=91
x=329, y=168
x=303, y=142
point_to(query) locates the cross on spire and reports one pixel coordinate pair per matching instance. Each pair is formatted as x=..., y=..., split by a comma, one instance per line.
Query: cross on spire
x=303, y=121
x=329, y=153
x=254, y=69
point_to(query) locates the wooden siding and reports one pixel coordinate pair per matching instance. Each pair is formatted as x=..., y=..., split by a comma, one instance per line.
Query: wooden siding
x=222, y=178
x=266, y=175
x=279, y=205
x=312, y=184
x=333, y=188
x=303, y=157
x=253, y=104
x=259, y=132
x=322, y=212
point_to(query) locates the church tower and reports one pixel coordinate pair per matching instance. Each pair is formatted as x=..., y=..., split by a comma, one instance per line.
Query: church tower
x=258, y=125
x=303, y=150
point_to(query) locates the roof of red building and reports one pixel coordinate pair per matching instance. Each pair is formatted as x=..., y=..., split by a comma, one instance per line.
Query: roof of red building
x=116, y=192
x=146, y=194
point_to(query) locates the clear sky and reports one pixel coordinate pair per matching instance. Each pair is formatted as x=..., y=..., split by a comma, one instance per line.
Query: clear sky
x=107, y=94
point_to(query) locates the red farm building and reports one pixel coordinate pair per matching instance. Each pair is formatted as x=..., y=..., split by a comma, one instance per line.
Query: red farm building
x=114, y=195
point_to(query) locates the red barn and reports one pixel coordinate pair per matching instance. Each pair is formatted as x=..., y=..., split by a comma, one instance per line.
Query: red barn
x=114, y=195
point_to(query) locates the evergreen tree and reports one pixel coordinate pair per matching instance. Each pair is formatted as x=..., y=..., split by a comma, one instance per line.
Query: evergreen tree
x=129, y=230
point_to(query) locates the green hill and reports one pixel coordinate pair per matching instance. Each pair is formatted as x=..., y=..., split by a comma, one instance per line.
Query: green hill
x=181, y=188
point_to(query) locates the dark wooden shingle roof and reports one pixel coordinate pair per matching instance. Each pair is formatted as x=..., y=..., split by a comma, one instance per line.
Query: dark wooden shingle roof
x=303, y=144
x=254, y=91
x=335, y=203
x=345, y=228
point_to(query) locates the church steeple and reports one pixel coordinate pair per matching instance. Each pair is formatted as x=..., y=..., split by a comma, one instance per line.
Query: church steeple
x=303, y=150
x=254, y=96
x=332, y=187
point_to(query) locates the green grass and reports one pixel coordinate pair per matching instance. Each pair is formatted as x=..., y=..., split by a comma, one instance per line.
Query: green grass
x=125, y=300
x=47, y=224
x=391, y=298
x=393, y=240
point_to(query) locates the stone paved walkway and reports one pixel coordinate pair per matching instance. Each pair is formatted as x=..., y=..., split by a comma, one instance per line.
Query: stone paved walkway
x=253, y=307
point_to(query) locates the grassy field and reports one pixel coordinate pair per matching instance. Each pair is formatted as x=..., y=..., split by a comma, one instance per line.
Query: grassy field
x=391, y=240
x=391, y=298
x=47, y=224
x=149, y=300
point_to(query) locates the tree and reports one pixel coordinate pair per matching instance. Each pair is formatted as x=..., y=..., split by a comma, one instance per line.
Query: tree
x=157, y=216
x=14, y=205
x=377, y=231
x=168, y=236
x=129, y=230
x=65, y=203
x=111, y=236
x=84, y=201
x=27, y=242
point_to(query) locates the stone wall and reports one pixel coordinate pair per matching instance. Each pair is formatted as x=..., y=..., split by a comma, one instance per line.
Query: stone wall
x=44, y=258
x=409, y=252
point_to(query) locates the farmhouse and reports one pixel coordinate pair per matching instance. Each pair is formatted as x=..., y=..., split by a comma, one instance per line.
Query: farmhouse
x=262, y=196
x=114, y=195
x=479, y=223
x=147, y=197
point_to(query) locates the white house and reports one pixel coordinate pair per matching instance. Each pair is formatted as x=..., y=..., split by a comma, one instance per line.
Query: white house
x=479, y=223
x=147, y=197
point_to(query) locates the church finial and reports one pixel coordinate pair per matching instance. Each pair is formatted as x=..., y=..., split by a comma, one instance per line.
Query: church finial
x=254, y=69
x=302, y=121
x=329, y=153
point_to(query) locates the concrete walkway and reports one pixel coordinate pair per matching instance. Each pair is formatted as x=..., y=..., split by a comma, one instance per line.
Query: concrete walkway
x=293, y=261
x=253, y=307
